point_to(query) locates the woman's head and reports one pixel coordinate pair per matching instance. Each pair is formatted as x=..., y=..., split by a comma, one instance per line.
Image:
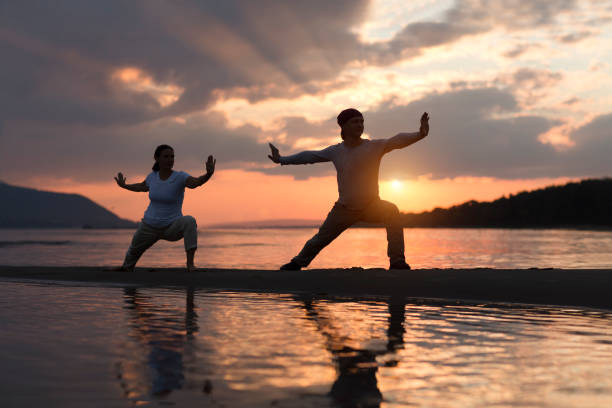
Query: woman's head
x=164, y=157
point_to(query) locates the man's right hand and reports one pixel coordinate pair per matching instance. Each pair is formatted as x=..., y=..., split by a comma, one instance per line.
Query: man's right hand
x=120, y=180
x=275, y=156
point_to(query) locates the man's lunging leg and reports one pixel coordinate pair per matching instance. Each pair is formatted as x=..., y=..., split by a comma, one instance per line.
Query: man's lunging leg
x=338, y=220
x=388, y=214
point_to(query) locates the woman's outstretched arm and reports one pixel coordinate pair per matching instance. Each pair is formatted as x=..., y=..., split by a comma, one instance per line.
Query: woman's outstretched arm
x=137, y=187
x=194, y=182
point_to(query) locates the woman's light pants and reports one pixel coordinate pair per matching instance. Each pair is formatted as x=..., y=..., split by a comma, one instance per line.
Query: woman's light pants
x=145, y=236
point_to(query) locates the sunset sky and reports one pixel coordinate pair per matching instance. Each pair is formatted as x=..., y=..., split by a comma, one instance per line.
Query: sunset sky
x=519, y=93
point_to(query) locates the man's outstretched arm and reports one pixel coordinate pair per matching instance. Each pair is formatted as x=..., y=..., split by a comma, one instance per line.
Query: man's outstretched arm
x=402, y=140
x=305, y=157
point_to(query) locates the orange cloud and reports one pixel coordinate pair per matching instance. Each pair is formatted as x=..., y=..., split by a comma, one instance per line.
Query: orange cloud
x=136, y=80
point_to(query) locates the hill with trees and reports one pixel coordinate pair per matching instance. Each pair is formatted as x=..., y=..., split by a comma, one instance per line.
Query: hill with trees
x=584, y=204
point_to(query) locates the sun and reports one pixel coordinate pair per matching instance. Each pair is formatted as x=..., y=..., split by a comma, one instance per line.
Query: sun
x=396, y=185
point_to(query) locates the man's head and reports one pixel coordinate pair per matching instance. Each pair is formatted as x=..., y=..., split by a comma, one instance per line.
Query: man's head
x=351, y=122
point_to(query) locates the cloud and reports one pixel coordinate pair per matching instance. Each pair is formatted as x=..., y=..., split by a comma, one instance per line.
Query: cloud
x=520, y=49
x=575, y=37
x=59, y=58
x=593, y=149
x=89, y=153
x=96, y=85
x=466, y=18
x=465, y=138
x=529, y=85
x=571, y=101
x=478, y=132
x=510, y=14
x=474, y=132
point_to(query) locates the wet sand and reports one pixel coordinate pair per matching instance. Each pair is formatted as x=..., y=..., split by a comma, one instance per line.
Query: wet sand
x=590, y=288
x=575, y=287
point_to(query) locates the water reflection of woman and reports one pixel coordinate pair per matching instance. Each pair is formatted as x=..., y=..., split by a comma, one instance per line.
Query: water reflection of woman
x=356, y=384
x=164, y=219
x=165, y=332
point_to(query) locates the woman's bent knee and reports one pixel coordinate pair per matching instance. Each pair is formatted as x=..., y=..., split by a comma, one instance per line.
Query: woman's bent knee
x=189, y=220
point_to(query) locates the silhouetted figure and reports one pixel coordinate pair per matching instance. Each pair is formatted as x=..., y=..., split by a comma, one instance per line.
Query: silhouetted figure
x=164, y=218
x=164, y=335
x=357, y=161
x=356, y=384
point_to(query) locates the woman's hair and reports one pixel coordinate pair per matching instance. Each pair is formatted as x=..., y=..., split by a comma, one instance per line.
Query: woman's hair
x=157, y=153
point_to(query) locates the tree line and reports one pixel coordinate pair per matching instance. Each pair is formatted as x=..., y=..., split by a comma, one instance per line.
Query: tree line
x=581, y=204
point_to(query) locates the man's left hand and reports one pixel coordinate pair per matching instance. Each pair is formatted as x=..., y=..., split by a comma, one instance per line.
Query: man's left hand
x=210, y=165
x=424, y=129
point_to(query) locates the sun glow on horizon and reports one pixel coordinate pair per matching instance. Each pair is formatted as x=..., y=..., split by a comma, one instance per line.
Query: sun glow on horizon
x=397, y=185
x=283, y=197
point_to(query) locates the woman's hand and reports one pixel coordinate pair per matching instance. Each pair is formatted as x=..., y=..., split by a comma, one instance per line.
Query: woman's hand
x=138, y=187
x=210, y=165
x=120, y=180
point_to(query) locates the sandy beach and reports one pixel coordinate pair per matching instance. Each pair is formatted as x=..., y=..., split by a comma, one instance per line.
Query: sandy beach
x=586, y=288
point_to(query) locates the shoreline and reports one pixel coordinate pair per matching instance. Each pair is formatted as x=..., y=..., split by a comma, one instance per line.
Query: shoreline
x=563, y=287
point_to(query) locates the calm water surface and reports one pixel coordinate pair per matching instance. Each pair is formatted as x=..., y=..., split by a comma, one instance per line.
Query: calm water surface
x=71, y=346
x=366, y=247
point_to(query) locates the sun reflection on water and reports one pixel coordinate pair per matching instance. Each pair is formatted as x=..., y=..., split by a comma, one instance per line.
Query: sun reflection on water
x=187, y=347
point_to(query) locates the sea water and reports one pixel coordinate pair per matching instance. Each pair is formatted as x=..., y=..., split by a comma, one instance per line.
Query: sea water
x=365, y=247
x=70, y=345
x=63, y=345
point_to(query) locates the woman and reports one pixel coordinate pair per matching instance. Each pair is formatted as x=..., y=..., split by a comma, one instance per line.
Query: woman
x=164, y=219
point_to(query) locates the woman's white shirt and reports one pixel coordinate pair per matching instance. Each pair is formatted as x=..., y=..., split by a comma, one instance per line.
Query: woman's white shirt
x=166, y=198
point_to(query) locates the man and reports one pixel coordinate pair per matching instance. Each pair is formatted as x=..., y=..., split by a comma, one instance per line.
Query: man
x=357, y=161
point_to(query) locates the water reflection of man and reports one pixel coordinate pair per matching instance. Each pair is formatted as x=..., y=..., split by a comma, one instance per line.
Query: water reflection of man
x=356, y=384
x=166, y=332
x=357, y=162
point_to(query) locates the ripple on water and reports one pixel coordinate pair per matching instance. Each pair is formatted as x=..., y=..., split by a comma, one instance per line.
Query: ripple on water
x=185, y=347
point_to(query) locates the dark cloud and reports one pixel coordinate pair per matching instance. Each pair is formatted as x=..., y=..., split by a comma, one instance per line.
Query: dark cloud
x=58, y=57
x=591, y=154
x=61, y=108
x=519, y=50
x=510, y=14
x=530, y=79
x=465, y=18
x=571, y=101
x=89, y=153
x=474, y=132
x=575, y=37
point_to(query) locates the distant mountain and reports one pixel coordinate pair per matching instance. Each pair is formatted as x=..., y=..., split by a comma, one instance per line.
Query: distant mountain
x=586, y=204
x=22, y=207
